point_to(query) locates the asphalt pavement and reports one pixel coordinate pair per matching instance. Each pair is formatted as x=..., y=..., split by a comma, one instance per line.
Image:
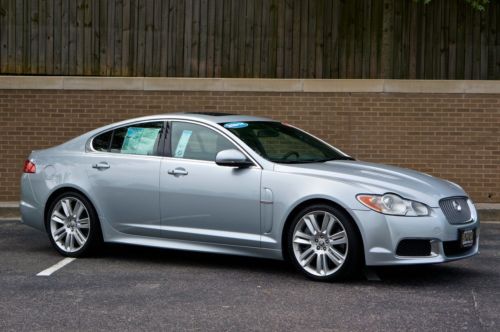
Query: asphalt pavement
x=136, y=288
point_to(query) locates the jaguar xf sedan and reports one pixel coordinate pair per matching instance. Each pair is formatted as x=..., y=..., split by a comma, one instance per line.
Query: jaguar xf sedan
x=242, y=185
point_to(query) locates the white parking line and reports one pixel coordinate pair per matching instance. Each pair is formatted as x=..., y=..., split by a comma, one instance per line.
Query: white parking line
x=490, y=222
x=55, y=267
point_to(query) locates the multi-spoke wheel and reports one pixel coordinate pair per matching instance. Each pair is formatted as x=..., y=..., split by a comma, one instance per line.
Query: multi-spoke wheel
x=323, y=243
x=72, y=224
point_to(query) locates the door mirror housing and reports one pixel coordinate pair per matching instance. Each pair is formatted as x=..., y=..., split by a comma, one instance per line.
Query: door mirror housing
x=232, y=158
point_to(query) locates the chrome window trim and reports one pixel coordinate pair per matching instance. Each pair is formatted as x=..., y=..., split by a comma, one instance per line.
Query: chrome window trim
x=135, y=156
x=89, y=146
x=197, y=161
x=238, y=146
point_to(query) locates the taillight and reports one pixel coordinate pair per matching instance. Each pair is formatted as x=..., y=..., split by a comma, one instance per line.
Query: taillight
x=29, y=167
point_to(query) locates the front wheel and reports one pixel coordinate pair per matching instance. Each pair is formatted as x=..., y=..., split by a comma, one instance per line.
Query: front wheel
x=324, y=244
x=72, y=225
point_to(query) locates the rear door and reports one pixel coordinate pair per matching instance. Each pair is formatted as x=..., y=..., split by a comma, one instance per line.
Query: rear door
x=124, y=172
x=202, y=201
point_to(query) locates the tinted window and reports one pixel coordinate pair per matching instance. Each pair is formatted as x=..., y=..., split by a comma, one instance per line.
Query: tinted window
x=191, y=141
x=101, y=142
x=139, y=139
x=283, y=144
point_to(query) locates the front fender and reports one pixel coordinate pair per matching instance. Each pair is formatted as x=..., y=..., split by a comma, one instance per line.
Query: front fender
x=291, y=190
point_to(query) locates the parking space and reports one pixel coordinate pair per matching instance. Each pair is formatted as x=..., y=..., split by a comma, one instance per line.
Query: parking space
x=131, y=288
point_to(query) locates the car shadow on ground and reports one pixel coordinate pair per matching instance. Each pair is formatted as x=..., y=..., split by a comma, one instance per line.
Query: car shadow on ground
x=158, y=256
x=436, y=274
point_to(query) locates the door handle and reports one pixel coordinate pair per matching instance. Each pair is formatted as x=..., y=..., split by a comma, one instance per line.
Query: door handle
x=177, y=171
x=101, y=165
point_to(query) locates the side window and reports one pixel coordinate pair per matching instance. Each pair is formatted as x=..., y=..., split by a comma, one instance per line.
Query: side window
x=101, y=142
x=192, y=141
x=140, y=139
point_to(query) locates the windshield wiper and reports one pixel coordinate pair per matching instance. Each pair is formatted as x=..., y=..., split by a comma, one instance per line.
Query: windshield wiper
x=288, y=161
x=330, y=159
x=309, y=161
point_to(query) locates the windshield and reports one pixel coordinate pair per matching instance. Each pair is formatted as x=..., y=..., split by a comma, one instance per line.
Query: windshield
x=281, y=143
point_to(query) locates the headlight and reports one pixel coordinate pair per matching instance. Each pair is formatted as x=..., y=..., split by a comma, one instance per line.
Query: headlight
x=393, y=204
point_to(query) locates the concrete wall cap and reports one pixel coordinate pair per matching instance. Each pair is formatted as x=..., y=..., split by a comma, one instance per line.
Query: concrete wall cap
x=103, y=83
x=247, y=84
x=31, y=82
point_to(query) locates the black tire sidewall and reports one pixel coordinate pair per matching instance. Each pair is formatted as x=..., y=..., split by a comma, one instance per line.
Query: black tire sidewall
x=95, y=236
x=353, y=261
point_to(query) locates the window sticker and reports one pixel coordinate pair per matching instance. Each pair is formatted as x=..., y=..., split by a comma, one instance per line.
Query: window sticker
x=183, y=142
x=140, y=140
x=235, y=125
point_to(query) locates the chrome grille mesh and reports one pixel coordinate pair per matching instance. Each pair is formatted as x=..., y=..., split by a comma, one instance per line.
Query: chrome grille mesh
x=456, y=210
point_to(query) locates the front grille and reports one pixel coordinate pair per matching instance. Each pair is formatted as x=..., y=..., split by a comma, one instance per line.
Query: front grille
x=417, y=248
x=456, y=210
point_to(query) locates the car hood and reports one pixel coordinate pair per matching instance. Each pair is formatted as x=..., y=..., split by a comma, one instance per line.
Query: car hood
x=374, y=178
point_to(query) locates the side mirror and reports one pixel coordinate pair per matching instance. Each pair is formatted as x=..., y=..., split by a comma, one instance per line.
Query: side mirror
x=232, y=158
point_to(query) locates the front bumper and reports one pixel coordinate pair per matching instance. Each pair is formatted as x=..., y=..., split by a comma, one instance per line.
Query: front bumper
x=383, y=233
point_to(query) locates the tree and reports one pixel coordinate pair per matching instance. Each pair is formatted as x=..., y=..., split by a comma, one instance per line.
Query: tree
x=476, y=4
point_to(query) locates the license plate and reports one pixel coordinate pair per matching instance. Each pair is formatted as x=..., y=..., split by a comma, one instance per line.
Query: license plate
x=467, y=237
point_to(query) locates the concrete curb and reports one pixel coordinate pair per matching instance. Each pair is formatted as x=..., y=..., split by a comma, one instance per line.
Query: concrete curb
x=9, y=210
x=8, y=82
x=487, y=211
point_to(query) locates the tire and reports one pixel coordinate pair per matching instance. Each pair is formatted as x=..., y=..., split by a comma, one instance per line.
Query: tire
x=72, y=225
x=323, y=243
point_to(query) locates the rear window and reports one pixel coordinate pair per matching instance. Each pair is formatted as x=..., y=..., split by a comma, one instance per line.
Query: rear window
x=141, y=139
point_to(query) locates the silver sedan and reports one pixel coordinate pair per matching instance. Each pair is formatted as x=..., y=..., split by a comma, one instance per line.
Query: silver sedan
x=242, y=185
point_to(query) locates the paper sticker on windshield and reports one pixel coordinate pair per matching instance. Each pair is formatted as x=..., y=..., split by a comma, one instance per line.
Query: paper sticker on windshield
x=140, y=140
x=235, y=125
x=183, y=141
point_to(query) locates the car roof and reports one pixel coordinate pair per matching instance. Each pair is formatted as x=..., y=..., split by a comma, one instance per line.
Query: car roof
x=216, y=117
x=206, y=117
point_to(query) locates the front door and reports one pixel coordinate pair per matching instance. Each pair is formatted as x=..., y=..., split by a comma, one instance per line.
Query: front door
x=202, y=201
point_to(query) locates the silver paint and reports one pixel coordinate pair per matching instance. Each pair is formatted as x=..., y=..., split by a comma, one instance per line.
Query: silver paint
x=199, y=205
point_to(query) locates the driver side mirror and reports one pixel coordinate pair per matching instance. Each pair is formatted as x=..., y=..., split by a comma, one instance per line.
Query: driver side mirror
x=232, y=158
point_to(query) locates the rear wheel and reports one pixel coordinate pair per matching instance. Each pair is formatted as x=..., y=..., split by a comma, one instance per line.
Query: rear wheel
x=72, y=225
x=324, y=244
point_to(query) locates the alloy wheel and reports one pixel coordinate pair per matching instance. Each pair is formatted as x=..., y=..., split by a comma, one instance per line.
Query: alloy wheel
x=70, y=224
x=320, y=243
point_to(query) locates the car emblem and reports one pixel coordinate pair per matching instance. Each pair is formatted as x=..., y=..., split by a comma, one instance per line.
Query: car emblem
x=457, y=206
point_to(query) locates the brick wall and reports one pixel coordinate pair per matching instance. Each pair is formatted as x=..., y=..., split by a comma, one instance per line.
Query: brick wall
x=455, y=136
